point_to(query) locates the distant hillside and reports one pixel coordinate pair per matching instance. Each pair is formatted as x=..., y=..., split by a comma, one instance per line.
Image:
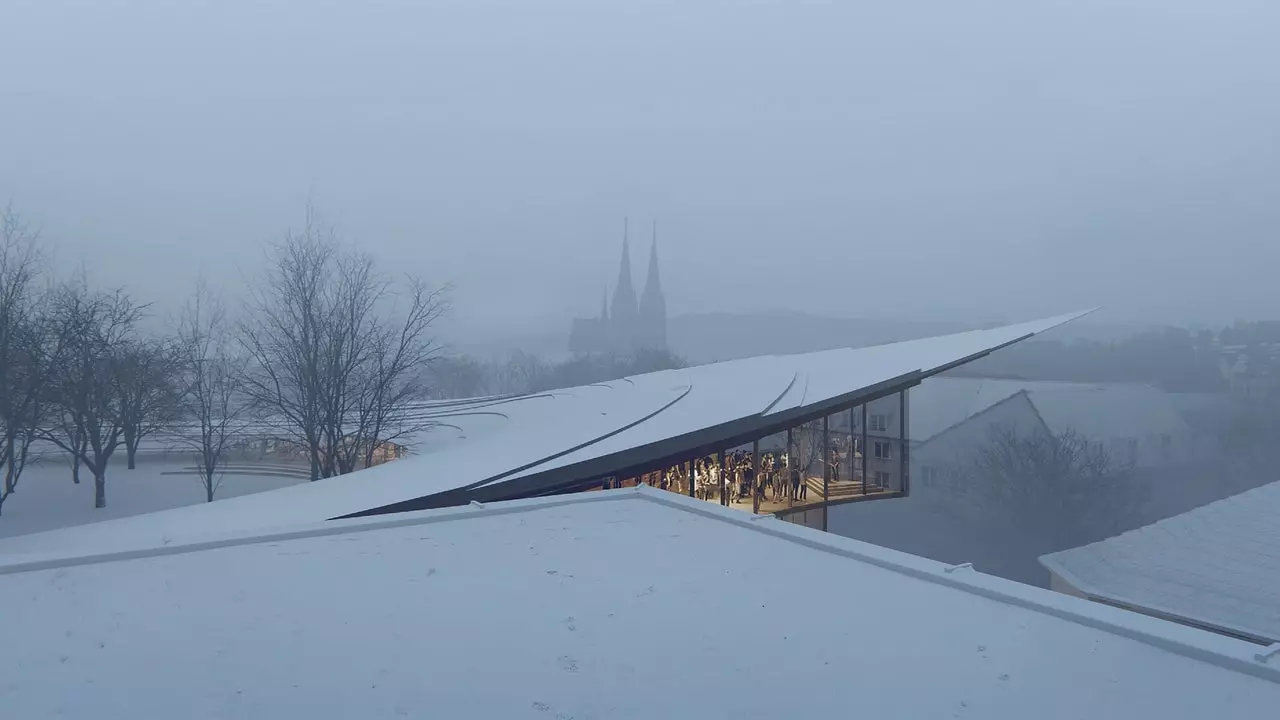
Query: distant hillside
x=709, y=337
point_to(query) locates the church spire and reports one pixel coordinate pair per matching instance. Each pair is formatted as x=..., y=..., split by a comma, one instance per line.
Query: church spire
x=652, y=283
x=653, y=306
x=623, y=315
x=604, y=305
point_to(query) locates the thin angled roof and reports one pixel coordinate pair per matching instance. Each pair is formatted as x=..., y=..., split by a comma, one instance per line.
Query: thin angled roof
x=521, y=446
x=618, y=604
x=1216, y=566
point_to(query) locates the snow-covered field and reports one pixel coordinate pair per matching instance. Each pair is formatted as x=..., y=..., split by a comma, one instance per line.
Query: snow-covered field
x=46, y=498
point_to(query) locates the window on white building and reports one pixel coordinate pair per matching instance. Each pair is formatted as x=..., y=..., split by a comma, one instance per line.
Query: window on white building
x=878, y=423
x=883, y=450
x=882, y=479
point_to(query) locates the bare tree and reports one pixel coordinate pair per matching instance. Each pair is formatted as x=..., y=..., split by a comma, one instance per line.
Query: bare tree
x=522, y=372
x=393, y=383
x=283, y=336
x=148, y=393
x=85, y=390
x=214, y=409
x=459, y=377
x=29, y=347
x=337, y=355
x=808, y=448
x=1045, y=485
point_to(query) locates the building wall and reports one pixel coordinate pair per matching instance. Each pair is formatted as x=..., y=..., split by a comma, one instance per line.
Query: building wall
x=1154, y=450
x=932, y=462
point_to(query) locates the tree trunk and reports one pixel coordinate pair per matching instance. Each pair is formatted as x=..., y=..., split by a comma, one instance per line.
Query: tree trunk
x=100, y=490
x=315, y=467
x=208, y=489
x=82, y=444
x=130, y=447
x=9, y=472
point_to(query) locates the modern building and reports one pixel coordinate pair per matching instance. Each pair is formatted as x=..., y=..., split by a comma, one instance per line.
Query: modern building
x=1216, y=567
x=1137, y=443
x=753, y=434
x=620, y=604
x=626, y=326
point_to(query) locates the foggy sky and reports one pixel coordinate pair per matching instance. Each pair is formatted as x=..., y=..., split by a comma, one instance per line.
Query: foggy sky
x=930, y=159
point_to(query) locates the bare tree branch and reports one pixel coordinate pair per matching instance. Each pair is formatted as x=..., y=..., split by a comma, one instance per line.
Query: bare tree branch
x=1042, y=482
x=336, y=354
x=215, y=409
x=85, y=391
x=29, y=348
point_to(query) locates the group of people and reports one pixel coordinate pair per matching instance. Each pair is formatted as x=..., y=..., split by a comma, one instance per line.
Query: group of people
x=734, y=479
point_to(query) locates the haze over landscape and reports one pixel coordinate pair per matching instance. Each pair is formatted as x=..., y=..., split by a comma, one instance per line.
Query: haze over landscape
x=927, y=160
x=330, y=327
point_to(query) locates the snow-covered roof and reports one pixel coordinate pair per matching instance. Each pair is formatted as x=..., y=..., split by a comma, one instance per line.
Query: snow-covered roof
x=518, y=446
x=1217, y=566
x=1102, y=411
x=623, y=604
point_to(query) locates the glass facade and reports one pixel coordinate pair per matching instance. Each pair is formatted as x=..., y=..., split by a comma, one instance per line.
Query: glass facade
x=854, y=453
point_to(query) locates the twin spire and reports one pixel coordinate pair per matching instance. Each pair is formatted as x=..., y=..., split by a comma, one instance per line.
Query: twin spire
x=635, y=324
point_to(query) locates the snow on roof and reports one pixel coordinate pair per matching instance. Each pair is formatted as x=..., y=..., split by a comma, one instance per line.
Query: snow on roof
x=507, y=439
x=621, y=604
x=1217, y=565
x=1099, y=410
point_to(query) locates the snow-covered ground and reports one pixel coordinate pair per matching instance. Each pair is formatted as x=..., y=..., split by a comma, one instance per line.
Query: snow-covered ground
x=47, y=499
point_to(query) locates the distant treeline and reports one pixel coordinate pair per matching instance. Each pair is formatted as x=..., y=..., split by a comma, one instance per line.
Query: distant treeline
x=1175, y=359
x=459, y=376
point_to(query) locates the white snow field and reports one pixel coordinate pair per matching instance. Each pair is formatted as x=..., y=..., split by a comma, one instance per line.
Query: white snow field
x=619, y=604
x=47, y=499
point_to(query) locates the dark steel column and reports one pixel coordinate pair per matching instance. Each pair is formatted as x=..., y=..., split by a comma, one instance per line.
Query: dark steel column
x=791, y=462
x=864, y=448
x=755, y=476
x=724, y=499
x=826, y=468
x=902, y=439
x=689, y=477
x=853, y=445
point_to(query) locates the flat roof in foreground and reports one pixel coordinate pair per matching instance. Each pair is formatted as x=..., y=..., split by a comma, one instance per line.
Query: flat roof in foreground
x=1217, y=566
x=623, y=604
x=498, y=448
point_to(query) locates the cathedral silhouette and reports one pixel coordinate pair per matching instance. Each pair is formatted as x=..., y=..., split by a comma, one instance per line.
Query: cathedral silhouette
x=626, y=327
